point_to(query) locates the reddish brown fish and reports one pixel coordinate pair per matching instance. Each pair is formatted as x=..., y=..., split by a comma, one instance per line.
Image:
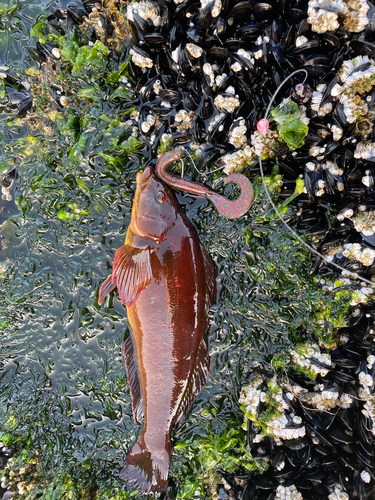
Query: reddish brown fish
x=166, y=279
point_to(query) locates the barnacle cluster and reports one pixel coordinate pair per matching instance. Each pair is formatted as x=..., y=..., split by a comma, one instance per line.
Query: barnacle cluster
x=145, y=10
x=325, y=400
x=274, y=421
x=369, y=411
x=262, y=144
x=364, y=222
x=360, y=253
x=362, y=296
x=183, y=120
x=364, y=150
x=357, y=77
x=338, y=493
x=148, y=123
x=316, y=101
x=288, y=493
x=326, y=15
x=227, y=103
x=304, y=356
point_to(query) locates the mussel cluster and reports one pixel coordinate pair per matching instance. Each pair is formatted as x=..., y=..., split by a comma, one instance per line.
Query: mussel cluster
x=17, y=91
x=321, y=444
x=205, y=73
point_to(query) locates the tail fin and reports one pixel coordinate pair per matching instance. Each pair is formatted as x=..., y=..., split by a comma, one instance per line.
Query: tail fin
x=146, y=472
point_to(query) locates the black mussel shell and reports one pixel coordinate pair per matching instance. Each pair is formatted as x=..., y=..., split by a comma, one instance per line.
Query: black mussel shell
x=249, y=30
x=241, y=11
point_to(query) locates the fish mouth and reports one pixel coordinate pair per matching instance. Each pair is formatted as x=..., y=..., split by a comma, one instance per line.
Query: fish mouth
x=144, y=178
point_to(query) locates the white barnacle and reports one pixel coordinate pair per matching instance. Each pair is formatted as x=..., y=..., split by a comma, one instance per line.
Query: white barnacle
x=56, y=53
x=157, y=86
x=333, y=168
x=207, y=68
x=370, y=361
x=236, y=67
x=301, y=40
x=365, y=379
x=64, y=100
x=316, y=99
x=367, y=180
x=245, y=54
x=216, y=9
x=336, y=90
x=314, y=151
x=346, y=214
x=145, y=127
x=325, y=109
x=365, y=476
x=337, y=132
x=194, y=50
x=346, y=401
x=140, y=60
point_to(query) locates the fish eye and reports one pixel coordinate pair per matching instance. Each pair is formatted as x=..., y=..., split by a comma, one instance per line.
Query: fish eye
x=160, y=197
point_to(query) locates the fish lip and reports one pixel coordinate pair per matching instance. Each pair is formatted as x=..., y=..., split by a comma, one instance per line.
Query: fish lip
x=145, y=177
x=145, y=217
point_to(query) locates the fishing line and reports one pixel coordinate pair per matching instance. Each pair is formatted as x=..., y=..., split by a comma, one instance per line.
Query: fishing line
x=199, y=172
x=355, y=275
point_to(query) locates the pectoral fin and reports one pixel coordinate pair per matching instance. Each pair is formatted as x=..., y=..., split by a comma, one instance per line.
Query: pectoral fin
x=132, y=272
x=106, y=288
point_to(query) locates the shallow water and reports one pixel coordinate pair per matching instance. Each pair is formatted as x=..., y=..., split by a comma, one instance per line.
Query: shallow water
x=63, y=381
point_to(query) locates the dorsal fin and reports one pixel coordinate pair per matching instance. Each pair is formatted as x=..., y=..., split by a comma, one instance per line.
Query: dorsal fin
x=194, y=384
x=132, y=373
x=132, y=269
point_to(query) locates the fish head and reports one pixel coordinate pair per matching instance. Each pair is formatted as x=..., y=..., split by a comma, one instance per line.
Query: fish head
x=155, y=209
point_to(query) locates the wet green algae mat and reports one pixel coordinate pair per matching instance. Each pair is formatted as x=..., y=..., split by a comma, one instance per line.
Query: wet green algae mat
x=65, y=403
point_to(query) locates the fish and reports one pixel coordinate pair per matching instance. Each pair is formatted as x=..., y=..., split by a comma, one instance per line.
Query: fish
x=166, y=279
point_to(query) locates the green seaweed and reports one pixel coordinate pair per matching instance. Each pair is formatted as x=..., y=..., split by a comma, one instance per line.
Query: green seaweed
x=291, y=129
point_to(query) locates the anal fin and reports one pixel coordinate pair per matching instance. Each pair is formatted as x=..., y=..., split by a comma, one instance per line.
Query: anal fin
x=210, y=278
x=132, y=372
x=195, y=384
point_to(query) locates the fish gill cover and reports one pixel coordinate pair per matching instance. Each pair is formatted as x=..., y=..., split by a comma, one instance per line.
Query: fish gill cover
x=289, y=409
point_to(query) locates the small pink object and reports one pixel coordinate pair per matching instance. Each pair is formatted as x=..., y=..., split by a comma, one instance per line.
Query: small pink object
x=263, y=125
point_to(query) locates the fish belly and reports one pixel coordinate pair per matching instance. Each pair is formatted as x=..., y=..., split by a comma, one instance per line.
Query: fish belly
x=167, y=337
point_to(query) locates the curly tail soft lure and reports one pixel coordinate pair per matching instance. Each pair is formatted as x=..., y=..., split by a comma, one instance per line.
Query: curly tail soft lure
x=228, y=208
